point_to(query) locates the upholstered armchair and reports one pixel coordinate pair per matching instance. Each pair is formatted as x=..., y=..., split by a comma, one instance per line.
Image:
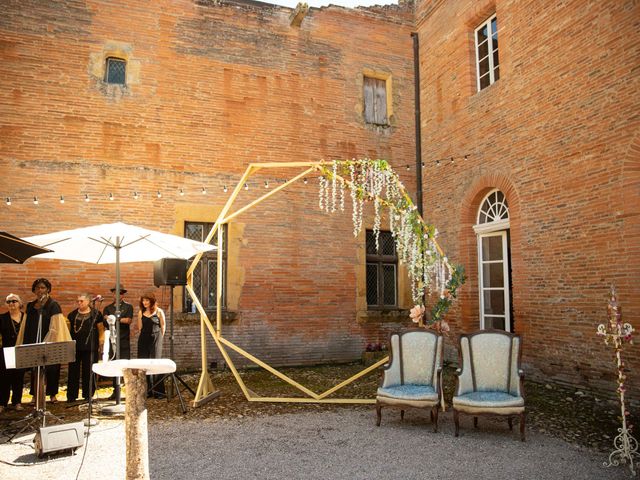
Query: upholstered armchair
x=490, y=380
x=413, y=377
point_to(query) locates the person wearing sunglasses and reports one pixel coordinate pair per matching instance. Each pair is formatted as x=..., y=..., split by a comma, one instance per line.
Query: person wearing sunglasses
x=12, y=379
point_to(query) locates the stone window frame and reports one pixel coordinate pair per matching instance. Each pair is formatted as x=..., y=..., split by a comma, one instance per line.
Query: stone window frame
x=387, y=78
x=493, y=73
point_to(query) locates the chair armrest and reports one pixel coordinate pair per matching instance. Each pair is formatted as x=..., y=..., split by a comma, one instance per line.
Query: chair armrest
x=458, y=372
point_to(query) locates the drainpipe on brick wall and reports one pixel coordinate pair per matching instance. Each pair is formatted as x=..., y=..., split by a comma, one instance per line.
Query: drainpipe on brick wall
x=416, y=77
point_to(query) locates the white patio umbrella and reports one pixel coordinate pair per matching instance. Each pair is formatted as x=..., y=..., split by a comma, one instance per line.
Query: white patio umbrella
x=116, y=243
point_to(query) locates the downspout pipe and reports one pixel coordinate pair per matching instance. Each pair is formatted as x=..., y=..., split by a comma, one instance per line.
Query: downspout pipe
x=416, y=76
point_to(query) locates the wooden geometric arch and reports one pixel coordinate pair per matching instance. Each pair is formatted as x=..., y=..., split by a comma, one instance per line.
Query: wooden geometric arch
x=206, y=391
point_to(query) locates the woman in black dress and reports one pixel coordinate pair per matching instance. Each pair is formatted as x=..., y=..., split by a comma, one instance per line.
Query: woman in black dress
x=53, y=329
x=84, y=322
x=151, y=325
x=11, y=380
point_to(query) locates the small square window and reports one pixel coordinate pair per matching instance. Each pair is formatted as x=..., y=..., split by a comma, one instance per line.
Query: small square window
x=116, y=71
x=375, y=101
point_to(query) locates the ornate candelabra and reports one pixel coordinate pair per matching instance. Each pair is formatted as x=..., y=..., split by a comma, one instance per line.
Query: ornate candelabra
x=616, y=333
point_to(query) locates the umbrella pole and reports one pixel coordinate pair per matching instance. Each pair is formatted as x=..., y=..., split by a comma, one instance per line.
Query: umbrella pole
x=118, y=408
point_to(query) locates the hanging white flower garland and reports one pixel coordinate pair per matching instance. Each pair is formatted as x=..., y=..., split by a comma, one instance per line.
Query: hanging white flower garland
x=416, y=247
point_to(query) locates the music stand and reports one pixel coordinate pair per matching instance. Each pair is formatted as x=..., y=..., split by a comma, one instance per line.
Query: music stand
x=39, y=355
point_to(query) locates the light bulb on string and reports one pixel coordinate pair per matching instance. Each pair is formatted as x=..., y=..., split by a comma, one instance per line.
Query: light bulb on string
x=304, y=180
x=86, y=198
x=111, y=197
x=266, y=184
x=451, y=159
x=159, y=195
x=246, y=186
x=61, y=199
x=408, y=168
x=35, y=200
x=204, y=191
x=181, y=192
x=437, y=163
x=135, y=195
x=224, y=189
x=9, y=201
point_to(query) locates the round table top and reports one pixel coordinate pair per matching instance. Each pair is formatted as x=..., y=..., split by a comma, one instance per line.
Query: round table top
x=153, y=366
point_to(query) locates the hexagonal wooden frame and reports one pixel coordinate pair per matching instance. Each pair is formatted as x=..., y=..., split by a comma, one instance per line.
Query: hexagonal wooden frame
x=205, y=391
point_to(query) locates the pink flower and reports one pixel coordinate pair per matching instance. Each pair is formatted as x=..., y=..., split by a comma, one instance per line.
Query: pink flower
x=416, y=313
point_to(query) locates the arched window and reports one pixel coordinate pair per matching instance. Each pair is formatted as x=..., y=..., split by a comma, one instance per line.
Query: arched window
x=494, y=270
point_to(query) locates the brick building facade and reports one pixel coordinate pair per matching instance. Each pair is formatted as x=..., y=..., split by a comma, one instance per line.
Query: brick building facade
x=558, y=135
x=212, y=86
x=208, y=88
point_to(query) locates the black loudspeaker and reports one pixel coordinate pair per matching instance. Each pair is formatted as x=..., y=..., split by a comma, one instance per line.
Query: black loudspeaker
x=170, y=271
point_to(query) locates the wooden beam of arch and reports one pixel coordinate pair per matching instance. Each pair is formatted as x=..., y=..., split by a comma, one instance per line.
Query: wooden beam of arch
x=205, y=388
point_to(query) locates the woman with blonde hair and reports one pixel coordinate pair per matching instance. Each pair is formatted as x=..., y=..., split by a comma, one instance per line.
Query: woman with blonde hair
x=12, y=379
x=151, y=325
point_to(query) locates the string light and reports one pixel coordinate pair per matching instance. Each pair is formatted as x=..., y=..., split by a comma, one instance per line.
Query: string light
x=451, y=159
x=86, y=198
x=437, y=163
x=35, y=200
x=204, y=191
x=466, y=157
x=61, y=199
x=111, y=197
x=408, y=168
x=8, y=200
x=305, y=180
x=266, y=184
x=224, y=189
x=246, y=186
x=135, y=195
x=181, y=192
x=159, y=195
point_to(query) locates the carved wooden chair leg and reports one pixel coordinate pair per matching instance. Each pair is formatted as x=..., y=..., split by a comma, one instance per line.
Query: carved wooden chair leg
x=378, y=413
x=475, y=422
x=431, y=415
x=401, y=414
x=456, y=421
x=510, y=422
x=434, y=418
x=522, y=419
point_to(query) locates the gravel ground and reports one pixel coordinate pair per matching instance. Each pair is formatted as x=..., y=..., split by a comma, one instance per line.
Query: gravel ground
x=343, y=443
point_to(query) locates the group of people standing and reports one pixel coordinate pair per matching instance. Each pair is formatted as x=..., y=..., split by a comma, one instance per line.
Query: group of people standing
x=43, y=321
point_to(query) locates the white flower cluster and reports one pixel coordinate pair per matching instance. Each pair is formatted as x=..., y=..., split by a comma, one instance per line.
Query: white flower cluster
x=375, y=181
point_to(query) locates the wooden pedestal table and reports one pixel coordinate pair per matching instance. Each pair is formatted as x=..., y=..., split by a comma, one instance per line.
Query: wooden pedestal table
x=135, y=416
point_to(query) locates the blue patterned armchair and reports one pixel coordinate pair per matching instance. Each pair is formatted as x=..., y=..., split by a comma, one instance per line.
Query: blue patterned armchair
x=490, y=379
x=413, y=377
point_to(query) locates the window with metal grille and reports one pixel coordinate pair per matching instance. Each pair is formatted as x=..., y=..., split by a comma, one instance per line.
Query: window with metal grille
x=487, y=62
x=382, y=275
x=116, y=71
x=205, y=275
x=375, y=101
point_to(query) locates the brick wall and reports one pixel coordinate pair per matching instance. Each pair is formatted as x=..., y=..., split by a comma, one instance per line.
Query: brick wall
x=210, y=88
x=558, y=134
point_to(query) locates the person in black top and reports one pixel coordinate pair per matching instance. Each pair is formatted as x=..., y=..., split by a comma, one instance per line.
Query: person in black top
x=151, y=325
x=84, y=322
x=11, y=380
x=126, y=316
x=53, y=329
